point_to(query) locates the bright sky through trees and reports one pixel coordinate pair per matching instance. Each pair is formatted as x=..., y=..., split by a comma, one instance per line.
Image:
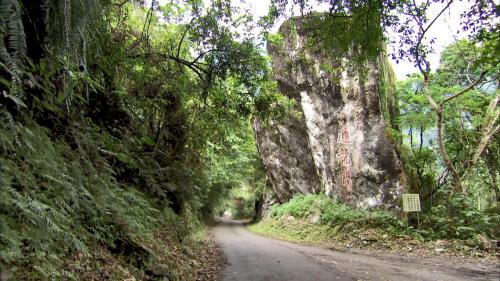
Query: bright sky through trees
x=445, y=31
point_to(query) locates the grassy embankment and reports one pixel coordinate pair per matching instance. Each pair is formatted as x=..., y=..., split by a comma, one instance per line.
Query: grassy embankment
x=319, y=220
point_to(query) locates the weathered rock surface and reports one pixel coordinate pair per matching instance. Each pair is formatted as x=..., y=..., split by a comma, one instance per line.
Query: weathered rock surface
x=285, y=152
x=341, y=144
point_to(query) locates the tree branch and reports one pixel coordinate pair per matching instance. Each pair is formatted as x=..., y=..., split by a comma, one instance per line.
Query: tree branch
x=183, y=36
x=204, y=53
x=421, y=36
x=489, y=128
x=438, y=15
x=191, y=65
x=466, y=89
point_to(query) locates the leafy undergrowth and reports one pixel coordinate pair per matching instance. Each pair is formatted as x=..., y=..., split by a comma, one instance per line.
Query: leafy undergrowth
x=319, y=220
x=63, y=214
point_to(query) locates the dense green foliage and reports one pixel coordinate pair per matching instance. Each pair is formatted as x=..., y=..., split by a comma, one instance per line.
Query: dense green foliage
x=447, y=211
x=458, y=219
x=57, y=201
x=238, y=170
x=122, y=119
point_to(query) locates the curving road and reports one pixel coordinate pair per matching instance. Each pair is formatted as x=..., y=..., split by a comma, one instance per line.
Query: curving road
x=252, y=257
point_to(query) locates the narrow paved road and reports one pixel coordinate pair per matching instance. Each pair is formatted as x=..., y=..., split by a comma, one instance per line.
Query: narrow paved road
x=252, y=257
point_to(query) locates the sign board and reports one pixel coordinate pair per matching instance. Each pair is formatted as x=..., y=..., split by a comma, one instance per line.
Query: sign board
x=411, y=203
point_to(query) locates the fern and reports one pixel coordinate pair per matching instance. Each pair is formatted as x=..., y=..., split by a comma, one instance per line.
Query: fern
x=12, y=44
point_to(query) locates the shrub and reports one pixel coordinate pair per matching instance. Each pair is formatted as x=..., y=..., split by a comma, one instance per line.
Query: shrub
x=333, y=212
x=458, y=217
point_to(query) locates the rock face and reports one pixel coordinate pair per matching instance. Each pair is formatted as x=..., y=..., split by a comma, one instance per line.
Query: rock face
x=286, y=155
x=342, y=143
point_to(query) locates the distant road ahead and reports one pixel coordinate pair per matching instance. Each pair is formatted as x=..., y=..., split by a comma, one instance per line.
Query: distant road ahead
x=255, y=258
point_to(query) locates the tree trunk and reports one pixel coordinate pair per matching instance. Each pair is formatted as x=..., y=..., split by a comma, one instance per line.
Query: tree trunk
x=440, y=137
x=411, y=137
x=444, y=154
x=259, y=208
x=421, y=138
x=489, y=128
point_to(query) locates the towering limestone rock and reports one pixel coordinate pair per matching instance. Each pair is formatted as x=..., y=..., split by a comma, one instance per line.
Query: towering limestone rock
x=342, y=143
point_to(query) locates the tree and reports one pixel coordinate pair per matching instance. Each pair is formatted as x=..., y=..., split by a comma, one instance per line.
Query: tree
x=418, y=51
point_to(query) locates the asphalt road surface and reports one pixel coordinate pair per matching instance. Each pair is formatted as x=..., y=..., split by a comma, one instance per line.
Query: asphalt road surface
x=251, y=257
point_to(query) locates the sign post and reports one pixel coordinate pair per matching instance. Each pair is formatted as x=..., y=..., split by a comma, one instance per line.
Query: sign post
x=411, y=203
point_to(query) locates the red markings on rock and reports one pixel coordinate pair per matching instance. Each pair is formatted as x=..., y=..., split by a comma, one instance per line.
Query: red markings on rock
x=345, y=159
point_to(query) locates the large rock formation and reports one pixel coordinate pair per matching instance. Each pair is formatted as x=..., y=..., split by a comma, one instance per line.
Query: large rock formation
x=286, y=155
x=342, y=143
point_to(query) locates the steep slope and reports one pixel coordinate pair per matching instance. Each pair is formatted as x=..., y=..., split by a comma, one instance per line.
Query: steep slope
x=102, y=168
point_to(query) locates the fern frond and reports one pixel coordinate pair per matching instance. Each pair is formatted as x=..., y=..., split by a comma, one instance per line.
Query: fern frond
x=13, y=48
x=13, y=29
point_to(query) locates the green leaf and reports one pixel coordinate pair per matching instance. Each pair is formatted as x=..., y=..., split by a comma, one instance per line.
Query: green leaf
x=5, y=82
x=15, y=99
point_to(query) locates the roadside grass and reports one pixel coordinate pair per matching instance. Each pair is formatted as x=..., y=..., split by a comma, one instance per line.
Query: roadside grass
x=323, y=210
x=322, y=221
x=317, y=218
x=298, y=231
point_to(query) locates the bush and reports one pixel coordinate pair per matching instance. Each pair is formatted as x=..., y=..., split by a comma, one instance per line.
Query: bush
x=333, y=212
x=457, y=217
x=300, y=206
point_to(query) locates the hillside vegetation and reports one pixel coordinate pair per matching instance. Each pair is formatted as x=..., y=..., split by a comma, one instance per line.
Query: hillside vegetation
x=117, y=119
